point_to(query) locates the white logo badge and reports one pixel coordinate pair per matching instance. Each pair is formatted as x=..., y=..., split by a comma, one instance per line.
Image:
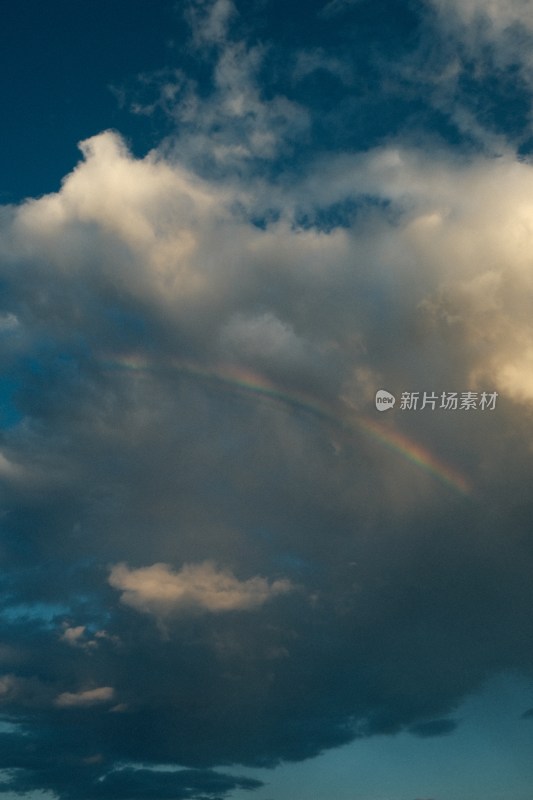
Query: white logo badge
x=384, y=400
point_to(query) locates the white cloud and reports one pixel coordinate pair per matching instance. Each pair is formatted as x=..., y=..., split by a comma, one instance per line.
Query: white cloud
x=144, y=214
x=490, y=43
x=235, y=123
x=160, y=591
x=458, y=249
x=183, y=248
x=457, y=254
x=500, y=30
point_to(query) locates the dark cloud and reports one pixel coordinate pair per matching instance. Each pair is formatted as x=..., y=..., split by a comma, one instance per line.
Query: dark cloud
x=38, y=767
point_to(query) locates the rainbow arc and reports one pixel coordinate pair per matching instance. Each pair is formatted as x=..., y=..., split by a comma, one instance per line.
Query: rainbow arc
x=342, y=416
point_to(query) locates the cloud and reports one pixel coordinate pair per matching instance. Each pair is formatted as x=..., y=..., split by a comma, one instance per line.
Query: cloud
x=236, y=125
x=72, y=636
x=210, y=21
x=8, y=323
x=34, y=759
x=487, y=44
x=194, y=365
x=8, y=469
x=83, y=699
x=500, y=14
x=158, y=590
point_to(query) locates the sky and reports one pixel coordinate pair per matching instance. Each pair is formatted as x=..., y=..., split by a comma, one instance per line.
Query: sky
x=266, y=400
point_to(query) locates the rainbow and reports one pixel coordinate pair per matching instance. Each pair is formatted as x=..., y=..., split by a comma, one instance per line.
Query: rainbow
x=416, y=454
x=342, y=416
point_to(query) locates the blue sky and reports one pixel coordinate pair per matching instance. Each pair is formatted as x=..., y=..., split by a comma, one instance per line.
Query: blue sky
x=225, y=571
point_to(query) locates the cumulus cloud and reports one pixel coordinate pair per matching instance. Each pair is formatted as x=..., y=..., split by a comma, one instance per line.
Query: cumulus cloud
x=158, y=452
x=159, y=590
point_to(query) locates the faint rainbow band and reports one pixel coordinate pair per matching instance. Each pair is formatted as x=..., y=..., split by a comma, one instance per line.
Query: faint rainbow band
x=342, y=416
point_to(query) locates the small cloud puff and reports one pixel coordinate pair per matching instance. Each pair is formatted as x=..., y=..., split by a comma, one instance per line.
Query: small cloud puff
x=89, y=697
x=72, y=636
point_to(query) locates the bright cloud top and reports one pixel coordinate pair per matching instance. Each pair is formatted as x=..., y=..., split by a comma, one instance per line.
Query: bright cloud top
x=160, y=591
